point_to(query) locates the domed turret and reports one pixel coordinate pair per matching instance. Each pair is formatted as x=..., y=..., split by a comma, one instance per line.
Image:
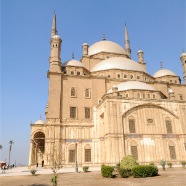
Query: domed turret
x=85, y=49
x=163, y=72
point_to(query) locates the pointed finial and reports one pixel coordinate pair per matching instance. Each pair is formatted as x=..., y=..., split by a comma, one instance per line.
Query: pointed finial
x=54, y=12
x=54, y=27
x=73, y=55
x=161, y=65
x=104, y=38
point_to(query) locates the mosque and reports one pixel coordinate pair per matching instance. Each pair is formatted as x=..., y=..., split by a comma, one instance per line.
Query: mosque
x=107, y=106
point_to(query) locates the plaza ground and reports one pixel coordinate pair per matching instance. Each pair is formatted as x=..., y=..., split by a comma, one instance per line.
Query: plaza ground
x=21, y=176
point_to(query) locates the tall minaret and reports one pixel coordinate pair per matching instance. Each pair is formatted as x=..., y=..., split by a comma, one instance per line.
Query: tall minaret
x=183, y=60
x=127, y=42
x=55, y=44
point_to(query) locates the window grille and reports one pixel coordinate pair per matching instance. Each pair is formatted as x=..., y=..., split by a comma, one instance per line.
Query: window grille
x=134, y=152
x=73, y=112
x=172, y=152
x=132, y=128
x=87, y=112
x=73, y=92
x=87, y=155
x=168, y=126
x=72, y=156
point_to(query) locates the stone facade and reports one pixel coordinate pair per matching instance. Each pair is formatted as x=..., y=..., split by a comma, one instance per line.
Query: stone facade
x=106, y=106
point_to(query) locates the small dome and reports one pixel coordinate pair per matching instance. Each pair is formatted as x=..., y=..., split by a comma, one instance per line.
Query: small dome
x=133, y=85
x=183, y=54
x=140, y=51
x=118, y=63
x=163, y=72
x=39, y=122
x=85, y=44
x=105, y=46
x=73, y=62
x=56, y=36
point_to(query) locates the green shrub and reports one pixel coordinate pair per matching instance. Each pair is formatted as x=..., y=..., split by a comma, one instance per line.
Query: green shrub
x=106, y=171
x=163, y=163
x=124, y=173
x=169, y=164
x=85, y=168
x=183, y=163
x=143, y=171
x=128, y=162
x=33, y=172
x=54, y=180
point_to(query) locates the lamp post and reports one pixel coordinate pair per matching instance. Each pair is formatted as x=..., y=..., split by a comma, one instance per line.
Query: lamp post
x=76, y=168
x=10, y=142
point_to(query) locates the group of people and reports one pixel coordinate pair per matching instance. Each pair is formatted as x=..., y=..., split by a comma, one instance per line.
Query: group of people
x=6, y=167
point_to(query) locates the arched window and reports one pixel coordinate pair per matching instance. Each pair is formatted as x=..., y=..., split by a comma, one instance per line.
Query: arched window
x=181, y=97
x=78, y=73
x=132, y=128
x=148, y=96
x=87, y=93
x=73, y=92
x=118, y=75
x=153, y=96
x=168, y=125
x=143, y=95
x=125, y=75
x=138, y=77
x=72, y=72
x=87, y=153
x=131, y=77
x=138, y=95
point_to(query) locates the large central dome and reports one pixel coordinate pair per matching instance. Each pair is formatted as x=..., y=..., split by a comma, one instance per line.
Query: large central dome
x=105, y=46
x=118, y=63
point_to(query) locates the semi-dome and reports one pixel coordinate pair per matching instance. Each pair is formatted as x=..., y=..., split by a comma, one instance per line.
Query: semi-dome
x=118, y=63
x=163, y=72
x=73, y=62
x=39, y=122
x=105, y=46
x=133, y=85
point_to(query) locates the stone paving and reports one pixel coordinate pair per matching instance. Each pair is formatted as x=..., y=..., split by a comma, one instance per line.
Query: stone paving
x=21, y=176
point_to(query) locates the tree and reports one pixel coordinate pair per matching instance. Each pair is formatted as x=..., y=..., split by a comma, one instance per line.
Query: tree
x=11, y=143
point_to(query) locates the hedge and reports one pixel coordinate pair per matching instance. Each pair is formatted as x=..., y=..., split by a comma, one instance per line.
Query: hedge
x=143, y=171
x=106, y=171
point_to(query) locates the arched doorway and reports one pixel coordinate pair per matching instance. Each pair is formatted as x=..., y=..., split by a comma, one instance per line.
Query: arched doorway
x=39, y=148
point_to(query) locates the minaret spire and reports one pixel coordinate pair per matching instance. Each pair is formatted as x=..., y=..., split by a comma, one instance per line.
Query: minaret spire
x=54, y=29
x=127, y=42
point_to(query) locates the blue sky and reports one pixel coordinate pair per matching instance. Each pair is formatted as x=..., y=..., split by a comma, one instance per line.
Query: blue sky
x=157, y=27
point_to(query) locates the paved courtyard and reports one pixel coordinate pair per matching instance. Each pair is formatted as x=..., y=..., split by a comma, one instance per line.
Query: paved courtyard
x=67, y=176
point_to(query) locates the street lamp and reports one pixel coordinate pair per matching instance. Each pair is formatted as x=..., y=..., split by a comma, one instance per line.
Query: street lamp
x=10, y=142
x=76, y=169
